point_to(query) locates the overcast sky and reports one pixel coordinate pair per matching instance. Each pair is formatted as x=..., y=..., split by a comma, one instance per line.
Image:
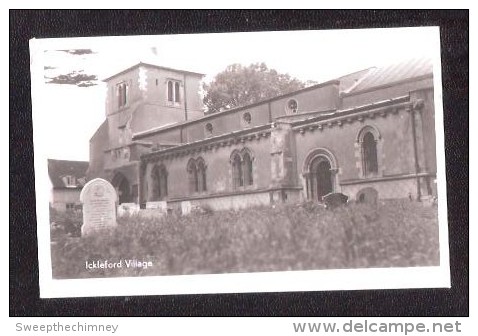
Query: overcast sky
x=67, y=115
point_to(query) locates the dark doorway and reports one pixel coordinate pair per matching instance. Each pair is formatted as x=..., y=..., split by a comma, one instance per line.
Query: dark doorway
x=324, y=179
x=122, y=187
x=321, y=178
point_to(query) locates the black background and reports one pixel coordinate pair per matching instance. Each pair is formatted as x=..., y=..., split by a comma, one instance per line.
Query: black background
x=24, y=287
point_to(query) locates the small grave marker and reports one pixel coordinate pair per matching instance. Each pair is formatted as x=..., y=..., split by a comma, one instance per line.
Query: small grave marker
x=186, y=208
x=368, y=195
x=129, y=209
x=334, y=200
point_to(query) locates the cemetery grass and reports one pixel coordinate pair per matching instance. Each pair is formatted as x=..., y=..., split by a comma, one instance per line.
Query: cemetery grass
x=299, y=237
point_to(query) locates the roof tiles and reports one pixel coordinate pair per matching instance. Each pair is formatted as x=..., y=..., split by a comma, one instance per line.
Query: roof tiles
x=57, y=169
x=379, y=76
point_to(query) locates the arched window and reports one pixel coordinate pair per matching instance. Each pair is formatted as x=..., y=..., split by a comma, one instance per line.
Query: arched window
x=246, y=118
x=237, y=176
x=170, y=91
x=192, y=176
x=247, y=169
x=163, y=182
x=160, y=183
x=292, y=106
x=197, y=175
x=242, y=168
x=122, y=92
x=176, y=92
x=369, y=150
x=209, y=128
x=201, y=170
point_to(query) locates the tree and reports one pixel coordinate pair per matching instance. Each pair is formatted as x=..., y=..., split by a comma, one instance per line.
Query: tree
x=238, y=86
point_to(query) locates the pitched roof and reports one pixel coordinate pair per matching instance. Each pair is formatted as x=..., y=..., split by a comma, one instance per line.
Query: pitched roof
x=350, y=81
x=231, y=110
x=394, y=73
x=349, y=84
x=149, y=64
x=101, y=130
x=57, y=169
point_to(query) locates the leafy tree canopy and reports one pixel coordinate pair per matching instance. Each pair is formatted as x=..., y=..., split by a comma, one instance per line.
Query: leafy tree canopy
x=239, y=85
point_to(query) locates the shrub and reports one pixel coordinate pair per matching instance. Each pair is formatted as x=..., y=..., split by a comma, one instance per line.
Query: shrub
x=65, y=223
x=287, y=237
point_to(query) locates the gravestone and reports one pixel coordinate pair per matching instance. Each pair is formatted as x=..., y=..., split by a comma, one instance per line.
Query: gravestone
x=99, y=206
x=186, y=208
x=161, y=206
x=367, y=195
x=128, y=209
x=334, y=200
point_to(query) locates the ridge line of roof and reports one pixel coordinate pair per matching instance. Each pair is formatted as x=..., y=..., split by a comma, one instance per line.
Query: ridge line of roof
x=389, y=84
x=361, y=79
x=140, y=63
x=239, y=108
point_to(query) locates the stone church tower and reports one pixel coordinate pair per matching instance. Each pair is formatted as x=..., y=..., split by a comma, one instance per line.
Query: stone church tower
x=138, y=99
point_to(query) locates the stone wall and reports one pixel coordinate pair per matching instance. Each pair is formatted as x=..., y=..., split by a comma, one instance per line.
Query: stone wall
x=130, y=172
x=98, y=143
x=386, y=189
x=241, y=200
x=399, y=129
x=318, y=98
x=234, y=202
x=217, y=157
x=395, y=146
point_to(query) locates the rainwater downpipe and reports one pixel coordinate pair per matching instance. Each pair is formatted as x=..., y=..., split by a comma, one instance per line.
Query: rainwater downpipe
x=415, y=153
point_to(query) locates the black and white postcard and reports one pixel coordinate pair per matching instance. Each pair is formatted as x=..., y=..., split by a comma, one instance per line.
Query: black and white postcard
x=240, y=162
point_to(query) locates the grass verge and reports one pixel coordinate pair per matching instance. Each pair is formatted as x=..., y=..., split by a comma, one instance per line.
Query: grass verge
x=299, y=237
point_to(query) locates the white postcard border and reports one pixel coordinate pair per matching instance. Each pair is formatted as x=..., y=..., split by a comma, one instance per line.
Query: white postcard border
x=350, y=279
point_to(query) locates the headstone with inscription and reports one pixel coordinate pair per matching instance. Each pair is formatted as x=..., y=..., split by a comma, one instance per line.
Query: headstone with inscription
x=99, y=206
x=186, y=208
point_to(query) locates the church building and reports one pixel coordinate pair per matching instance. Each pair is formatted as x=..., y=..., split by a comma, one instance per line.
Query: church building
x=369, y=135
